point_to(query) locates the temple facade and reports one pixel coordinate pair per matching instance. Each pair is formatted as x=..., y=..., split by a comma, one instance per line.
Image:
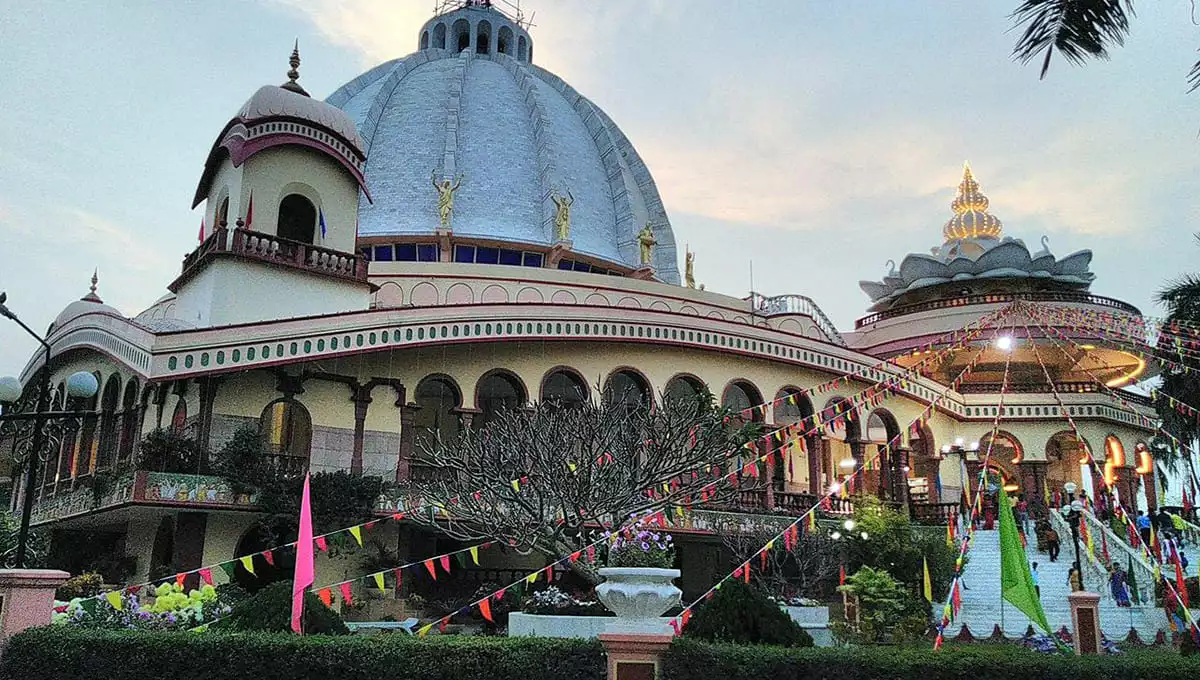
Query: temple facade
x=458, y=232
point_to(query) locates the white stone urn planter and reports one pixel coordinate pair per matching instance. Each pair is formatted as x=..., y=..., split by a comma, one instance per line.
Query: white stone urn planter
x=638, y=596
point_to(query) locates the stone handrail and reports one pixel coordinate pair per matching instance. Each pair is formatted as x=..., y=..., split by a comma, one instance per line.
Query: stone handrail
x=997, y=298
x=797, y=304
x=268, y=248
x=1096, y=577
x=1123, y=554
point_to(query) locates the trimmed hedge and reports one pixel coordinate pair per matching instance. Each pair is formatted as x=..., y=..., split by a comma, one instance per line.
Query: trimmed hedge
x=56, y=653
x=689, y=660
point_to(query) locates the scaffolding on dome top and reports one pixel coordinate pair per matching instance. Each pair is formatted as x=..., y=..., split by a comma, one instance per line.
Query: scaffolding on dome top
x=510, y=9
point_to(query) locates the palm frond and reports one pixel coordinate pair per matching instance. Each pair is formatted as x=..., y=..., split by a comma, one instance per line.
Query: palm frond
x=1194, y=77
x=1181, y=295
x=1078, y=29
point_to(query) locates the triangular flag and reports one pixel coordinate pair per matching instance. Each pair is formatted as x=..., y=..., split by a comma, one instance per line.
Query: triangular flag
x=202, y=229
x=321, y=544
x=431, y=568
x=346, y=596
x=1016, y=580
x=304, y=573
x=446, y=563
x=269, y=557
x=179, y=579
x=356, y=532
x=321, y=221
x=475, y=554
x=379, y=582
x=532, y=577
x=228, y=568
x=206, y=576
x=250, y=212
x=516, y=485
x=928, y=582
x=114, y=599
x=424, y=630
x=326, y=596
x=485, y=609
x=248, y=563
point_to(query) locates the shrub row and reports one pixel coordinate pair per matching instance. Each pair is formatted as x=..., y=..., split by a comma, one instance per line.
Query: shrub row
x=63, y=653
x=688, y=660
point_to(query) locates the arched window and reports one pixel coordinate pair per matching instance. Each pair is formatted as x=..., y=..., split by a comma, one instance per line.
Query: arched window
x=437, y=421
x=563, y=387
x=504, y=42
x=108, y=421
x=179, y=417
x=425, y=40
x=297, y=219
x=483, y=38
x=684, y=387
x=130, y=421
x=439, y=36
x=496, y=393
x=739, y=397
x=627, y=388
x=287, y=431
x=462, y=35
x=1066, y=458
x=222, y=217
x=522, y=49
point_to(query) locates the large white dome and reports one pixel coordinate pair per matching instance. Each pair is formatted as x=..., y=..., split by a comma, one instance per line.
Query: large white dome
x=516, y=134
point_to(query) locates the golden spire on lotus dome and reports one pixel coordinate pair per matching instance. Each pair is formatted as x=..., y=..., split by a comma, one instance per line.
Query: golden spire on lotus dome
x=971, y=218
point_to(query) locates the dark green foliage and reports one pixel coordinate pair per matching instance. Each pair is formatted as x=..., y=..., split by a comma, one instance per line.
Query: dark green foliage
x=270, y=610
x=886, y=611
x=66, y=654
x=743, y=614
x=691, y=660
x=898, y=547
x=164, y=451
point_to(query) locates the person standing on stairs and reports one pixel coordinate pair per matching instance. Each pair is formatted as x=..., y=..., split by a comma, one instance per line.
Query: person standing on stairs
x=1052, y=544
x=1037, y=579
x=1143, y=525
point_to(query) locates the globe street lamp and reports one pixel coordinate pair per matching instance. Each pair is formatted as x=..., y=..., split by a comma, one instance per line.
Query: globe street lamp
x=1073, y=512
x=80, y=386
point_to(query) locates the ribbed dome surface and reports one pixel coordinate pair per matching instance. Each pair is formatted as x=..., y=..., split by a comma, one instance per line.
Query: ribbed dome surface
x=516, y=134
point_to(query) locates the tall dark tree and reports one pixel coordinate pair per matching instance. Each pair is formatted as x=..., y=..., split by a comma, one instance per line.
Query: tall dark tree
x=544, y=479
x=1077, y=29
x=1182, y=380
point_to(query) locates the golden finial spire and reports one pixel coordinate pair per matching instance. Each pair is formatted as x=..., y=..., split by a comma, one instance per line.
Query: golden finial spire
x=971, y=218
x=293, y=73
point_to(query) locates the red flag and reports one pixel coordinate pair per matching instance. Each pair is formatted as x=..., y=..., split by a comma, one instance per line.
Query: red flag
x=1180, y=585
x=250, y=211
x=746, y=574
x=446, y=563
x=486, y=610
x=179, y=578
x=431, y=568
x=202, y=229
x=269, y=557
x=345, y=588
x=674, y=626
x=842, y=575
x=737, y=573
x=321, y=544
x=591, y=553
x=206, y=576
x=326, y=596
x=442, y=624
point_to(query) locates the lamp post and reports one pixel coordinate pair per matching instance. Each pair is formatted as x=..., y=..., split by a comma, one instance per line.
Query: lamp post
x=79, y=385
x=1073, y=512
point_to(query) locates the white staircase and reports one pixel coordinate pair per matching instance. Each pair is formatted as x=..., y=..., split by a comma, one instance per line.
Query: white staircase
x=982, y=607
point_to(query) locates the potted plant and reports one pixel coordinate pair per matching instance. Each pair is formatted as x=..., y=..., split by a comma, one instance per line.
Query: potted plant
x=639, y=579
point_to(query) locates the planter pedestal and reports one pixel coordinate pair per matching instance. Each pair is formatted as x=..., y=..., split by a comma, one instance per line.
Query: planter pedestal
x=638, y=596
x=1085, y=616
x=27, y=598
x=634, y=656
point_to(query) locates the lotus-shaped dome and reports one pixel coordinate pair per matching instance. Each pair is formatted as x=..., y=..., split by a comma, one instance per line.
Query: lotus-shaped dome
x=971, y=218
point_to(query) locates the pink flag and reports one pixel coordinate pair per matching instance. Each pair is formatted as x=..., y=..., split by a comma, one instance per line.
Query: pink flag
x=303, y=578
x=202, y=229
x=250, y=211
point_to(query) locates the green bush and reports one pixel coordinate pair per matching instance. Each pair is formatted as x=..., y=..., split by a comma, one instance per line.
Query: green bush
x=270, y=610
x=690, y=660
x=887, y=612
x=66, y=654
x=743, y=614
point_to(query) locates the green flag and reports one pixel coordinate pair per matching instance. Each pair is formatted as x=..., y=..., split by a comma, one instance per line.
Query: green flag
x=1132, y=583
x=1016, y=581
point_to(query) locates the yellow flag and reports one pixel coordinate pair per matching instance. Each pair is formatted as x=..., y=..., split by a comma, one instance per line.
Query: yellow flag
x=1091, y=547
x=424, y=630
x=531, y=578
x=356, y=532
x=570, y=466
x=770, y=544
x=248, y=563
x=379, y=582
x=114, y=599
x=475, y=555
x=928, y=580
x=516, y=485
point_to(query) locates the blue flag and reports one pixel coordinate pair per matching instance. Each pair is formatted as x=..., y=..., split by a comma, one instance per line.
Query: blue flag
x=321, y=219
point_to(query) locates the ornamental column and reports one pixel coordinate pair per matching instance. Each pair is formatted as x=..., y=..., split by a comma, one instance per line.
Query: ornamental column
x=361, y=396
x=901, y=460
x=1033, y=479
x=1151, y=489
x=816, y=454
x=408, y=416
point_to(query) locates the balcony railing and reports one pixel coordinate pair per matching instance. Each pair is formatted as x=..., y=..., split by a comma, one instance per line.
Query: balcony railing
x=1065, y=387
x=939, y=514
x=253, y=245
x=997, y=298
x=143, y=488
x=796, y=304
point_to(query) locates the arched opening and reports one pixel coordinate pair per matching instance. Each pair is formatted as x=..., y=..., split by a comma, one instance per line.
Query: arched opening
x=179, y=417
x=1004, y=446
x=425, y=40
x=995, y=476
x=530, y=50
x=564, y=388
x=257, y=539
x=461, y=32
x=504, y=41
x=162, y=552
x=483, y=38
x=287, y=433
x=925, y=476
x=1066, y=462
x=497, y=392
x=794, y=474
x=883, y=469
x=628, y=389
x=438, y=420
x=522, y=49
x=439, y=36
x=130, y=421
x=685, y=388
x=842, y=441
x=741, y=397
x=109, y=402
x=222, y=217
x=83, y=458
x=297, y=219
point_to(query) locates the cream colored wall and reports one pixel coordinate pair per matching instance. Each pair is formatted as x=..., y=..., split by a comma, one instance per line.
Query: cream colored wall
x=221, y=536
x=276, y=172
x=226, y=182
x=139, y=541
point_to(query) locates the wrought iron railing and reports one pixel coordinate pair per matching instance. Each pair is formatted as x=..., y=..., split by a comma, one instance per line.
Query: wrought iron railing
x=797, y=304
x=997, y=298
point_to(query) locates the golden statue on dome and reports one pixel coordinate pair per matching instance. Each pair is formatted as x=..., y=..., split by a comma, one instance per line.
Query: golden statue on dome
x=971, y=217
x=562, y=215
x=646, y=244
x=445, y=189
x=689, y=268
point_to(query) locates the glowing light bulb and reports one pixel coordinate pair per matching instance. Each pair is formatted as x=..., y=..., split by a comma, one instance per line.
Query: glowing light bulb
x=1004, y=343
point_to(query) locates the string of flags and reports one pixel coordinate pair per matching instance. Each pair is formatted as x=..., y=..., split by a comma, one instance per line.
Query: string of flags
x=1135, y=340
x=791, y=533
